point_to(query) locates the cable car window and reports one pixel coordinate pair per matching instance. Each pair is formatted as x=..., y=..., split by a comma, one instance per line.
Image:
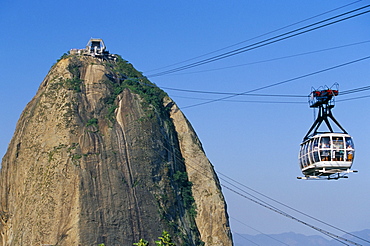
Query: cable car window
x=316, y=150
x=325, y=155
x=350, y=151
x=301, y=156
x=325, y=142
x=310, y=147
x=338, y=143
x=304, y=155
x=338, y=149
x=349, y=143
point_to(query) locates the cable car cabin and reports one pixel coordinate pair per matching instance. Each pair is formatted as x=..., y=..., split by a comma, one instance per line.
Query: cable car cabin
x=325, y=154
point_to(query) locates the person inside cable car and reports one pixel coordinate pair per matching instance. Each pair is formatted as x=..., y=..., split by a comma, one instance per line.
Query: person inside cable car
x=325, y=155
x=338, y=142
x=350, y=150
x=325, y=144
x=349, y=153
x=338, y=152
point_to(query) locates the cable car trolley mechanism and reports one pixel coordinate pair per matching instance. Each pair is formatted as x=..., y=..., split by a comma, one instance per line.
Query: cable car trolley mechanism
x=325, y=155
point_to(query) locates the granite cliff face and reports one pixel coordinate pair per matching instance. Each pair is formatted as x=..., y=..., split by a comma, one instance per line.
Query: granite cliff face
x=100, y=155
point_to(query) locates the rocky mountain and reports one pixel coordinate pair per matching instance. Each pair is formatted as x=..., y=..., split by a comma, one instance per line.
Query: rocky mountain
x=101, y=155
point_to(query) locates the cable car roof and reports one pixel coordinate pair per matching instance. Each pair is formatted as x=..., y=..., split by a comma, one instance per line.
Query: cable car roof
x=327, y=134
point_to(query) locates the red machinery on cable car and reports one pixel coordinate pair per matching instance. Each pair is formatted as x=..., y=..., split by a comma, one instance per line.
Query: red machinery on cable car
x=325, y=155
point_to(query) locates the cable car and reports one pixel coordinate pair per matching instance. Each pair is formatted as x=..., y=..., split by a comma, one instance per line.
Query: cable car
x=325, y=155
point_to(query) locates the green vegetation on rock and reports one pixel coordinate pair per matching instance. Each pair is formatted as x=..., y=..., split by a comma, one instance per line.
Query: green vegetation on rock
x=164, y=240
x=92, y=122
x=74, y=68
x=142, y=242
x=124, y=75
x=185, y=186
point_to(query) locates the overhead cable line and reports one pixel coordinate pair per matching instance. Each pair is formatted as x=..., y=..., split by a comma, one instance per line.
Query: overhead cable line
x=360, y=89
x=228, y=93
x=280, y=83
x=254, y=199
x=327, y=233
x=244, y=101
x=246, y=238
x=346, y=92
x=274, y=59
x=291, y=208
x=265, y=42
x=268, y=41
x=354, y=98
x=269, y=102
x=258, y=231
x=259, y=36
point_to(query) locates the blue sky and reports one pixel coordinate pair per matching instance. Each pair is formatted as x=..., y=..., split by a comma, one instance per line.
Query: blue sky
x=255, y=143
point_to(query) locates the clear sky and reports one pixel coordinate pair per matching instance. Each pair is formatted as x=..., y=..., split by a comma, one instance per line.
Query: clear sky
x=253, y=142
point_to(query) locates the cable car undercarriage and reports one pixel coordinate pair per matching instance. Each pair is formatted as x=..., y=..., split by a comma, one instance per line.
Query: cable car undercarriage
x=329, y=174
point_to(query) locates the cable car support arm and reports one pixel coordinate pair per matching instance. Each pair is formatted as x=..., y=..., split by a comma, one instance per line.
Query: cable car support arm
x=323, y=115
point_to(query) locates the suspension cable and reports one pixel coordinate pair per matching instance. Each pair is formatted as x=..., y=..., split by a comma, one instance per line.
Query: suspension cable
x=279, y=83
x=261, y=35
x=268, y=41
